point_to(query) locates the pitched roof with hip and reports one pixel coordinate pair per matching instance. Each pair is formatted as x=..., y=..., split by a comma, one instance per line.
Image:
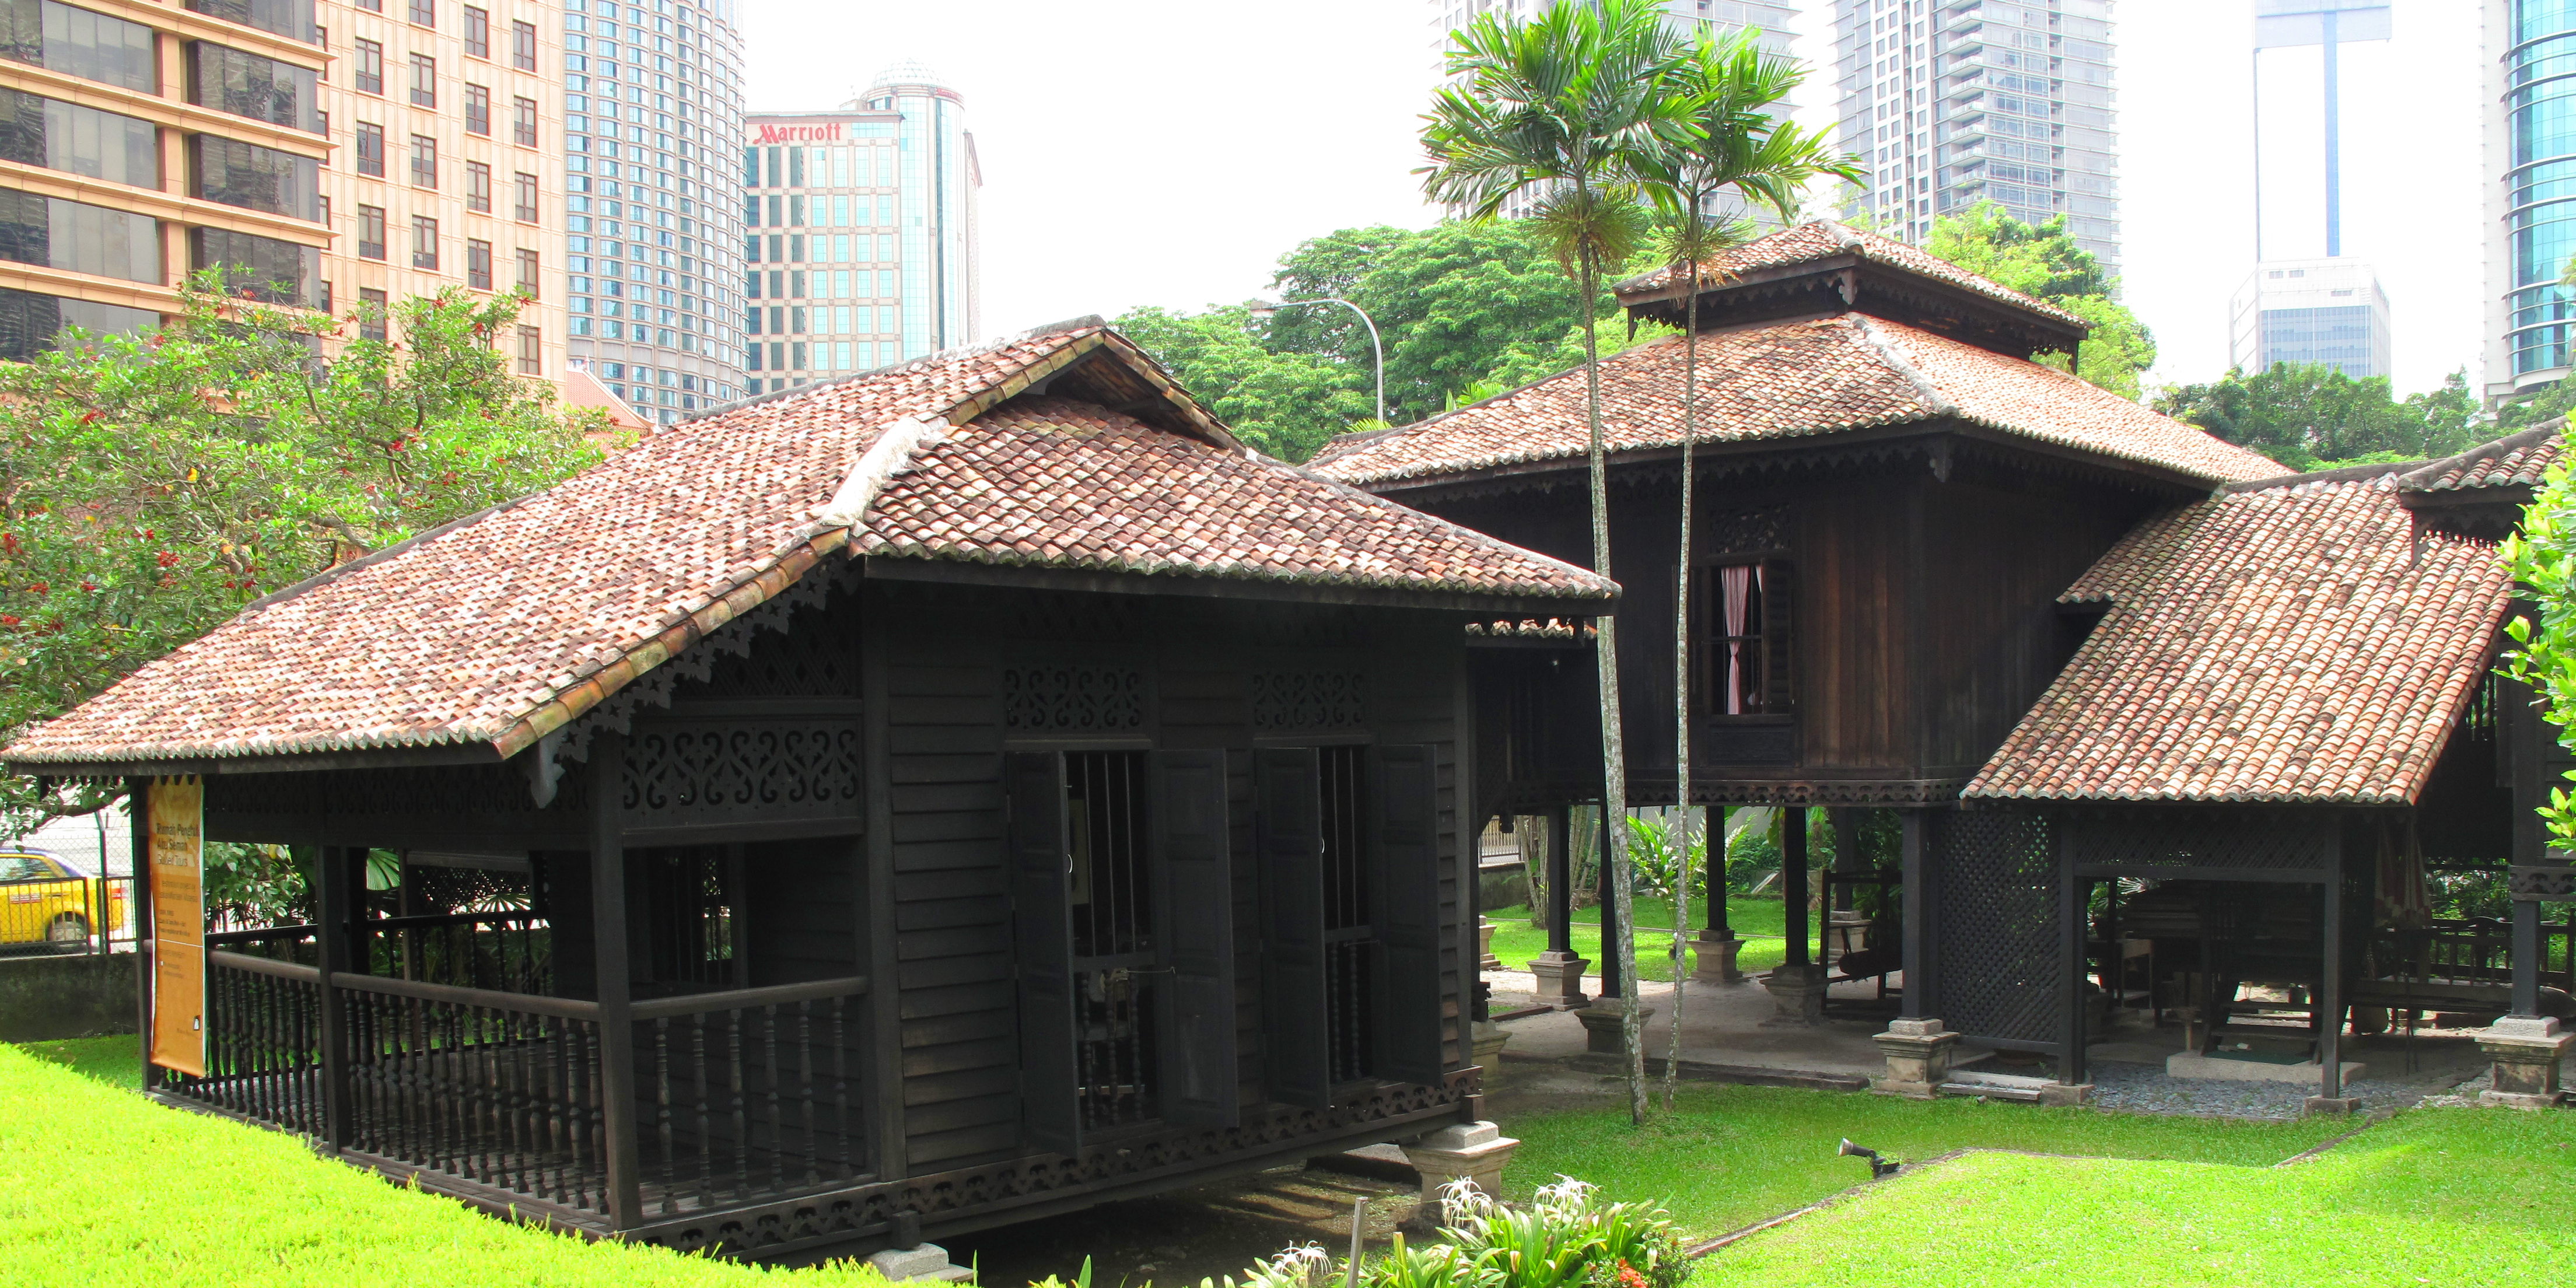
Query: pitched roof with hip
x=1824, y=239
x=499, y=628
x=2283, y=644
x=1789, y=380
x=2517, y=460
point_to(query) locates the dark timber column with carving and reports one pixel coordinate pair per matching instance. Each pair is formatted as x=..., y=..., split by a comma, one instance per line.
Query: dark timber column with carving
x=1558, y=970
x=342, y=884
x=616, y=980
x=1916, y=1046
x=1798, y=986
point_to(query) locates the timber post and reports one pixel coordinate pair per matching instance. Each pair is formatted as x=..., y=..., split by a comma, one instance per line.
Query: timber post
x=1718, y=945
x=1558, y=971
x=2073, y=907
x=1602, y=1021
x=341, y=885
x=1917, y=1048
x=2524, y=1048
x=138, y=822
x=616, y=980
x=1797, y=985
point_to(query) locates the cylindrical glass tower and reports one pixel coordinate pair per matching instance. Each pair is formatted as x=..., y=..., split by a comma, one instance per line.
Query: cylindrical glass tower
x=937, y=187
x=2540, y=185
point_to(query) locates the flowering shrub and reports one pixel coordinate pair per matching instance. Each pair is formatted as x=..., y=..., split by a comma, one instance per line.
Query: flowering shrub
x=1566, y=1236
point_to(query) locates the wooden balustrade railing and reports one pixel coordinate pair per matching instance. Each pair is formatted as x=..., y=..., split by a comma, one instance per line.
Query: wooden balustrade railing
x=752, y=1093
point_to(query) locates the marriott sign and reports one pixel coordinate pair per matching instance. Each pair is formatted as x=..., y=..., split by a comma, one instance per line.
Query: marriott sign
x=827, y=133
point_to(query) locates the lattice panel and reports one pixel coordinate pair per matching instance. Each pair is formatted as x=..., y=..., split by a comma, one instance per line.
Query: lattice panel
x=1300, y=700
x=1746, y=531
x=2205, y=838
x=743, y=770
x=1091, y=700
x=817, y=657
x=2000, y=966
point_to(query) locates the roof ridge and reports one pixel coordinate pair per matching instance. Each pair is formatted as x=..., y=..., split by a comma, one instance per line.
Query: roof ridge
x=1937, y=402
x=2426, y=478
x=956, y=353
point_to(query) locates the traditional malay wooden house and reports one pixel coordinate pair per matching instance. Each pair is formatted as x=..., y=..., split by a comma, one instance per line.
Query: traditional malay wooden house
x=1938, y=576
x=962, y=792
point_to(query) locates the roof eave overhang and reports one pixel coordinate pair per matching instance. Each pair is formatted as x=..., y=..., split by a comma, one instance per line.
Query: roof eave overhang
x=1861, y=283
x=126, y=765
x=905, y=568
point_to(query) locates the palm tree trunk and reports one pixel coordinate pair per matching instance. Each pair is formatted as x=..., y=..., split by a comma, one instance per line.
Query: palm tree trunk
x=1614, y=759
x=1681, y=681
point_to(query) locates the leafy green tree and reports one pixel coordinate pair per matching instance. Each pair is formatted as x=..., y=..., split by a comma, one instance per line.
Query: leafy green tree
x=2312, y=416
x=151, y=486
x=1570, y=111
x=1285, y=404
x=2043, y=261
x=1749, y=149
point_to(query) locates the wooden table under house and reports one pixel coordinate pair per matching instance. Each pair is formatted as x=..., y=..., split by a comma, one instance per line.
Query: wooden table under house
x=959, y=793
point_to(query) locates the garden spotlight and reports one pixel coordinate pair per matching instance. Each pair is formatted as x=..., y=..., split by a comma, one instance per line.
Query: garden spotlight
x=1878, y=1167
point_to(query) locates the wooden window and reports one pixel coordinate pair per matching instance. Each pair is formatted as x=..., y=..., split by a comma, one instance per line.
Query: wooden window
x=478, y=32
x=526, y=208
x=424, y=81
x=370, y=72
x=528, y=273
x=478, y=187
x=1741, y=663
x=478, y=264
x=690, y=897
x=424, y=242
x=424, y=161
x=1121, y=867
x=1351, y=917
x=371, y=234
x=532, y=352
x=424, y=13
x=371, y=149
x=523, y=122
x=478, y=110
x=523, y=46
x=371, y=313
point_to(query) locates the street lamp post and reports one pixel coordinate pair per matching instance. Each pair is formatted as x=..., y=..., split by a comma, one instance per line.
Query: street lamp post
x=1264, y=308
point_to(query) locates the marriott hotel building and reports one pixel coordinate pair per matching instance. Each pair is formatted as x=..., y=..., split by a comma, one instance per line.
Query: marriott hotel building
x=859, y=232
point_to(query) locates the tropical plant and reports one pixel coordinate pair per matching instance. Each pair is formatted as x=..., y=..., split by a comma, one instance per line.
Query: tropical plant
x=2543, y=558
x=1568, y=112
x=2313, y=416
x=1563, y=1236
x=1746, y=149
x=150, y=486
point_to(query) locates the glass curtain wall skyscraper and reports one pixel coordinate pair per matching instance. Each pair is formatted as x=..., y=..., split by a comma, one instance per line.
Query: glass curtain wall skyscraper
x=1952, y=102
x=653, y=244
x=859, y=232
x=2321, y=68
x=2531, y=200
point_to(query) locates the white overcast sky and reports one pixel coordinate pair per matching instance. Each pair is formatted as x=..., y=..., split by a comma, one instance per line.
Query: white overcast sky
x=1169, y=151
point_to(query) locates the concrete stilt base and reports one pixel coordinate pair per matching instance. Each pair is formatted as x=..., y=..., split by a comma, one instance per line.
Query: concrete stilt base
x=2064, y=1095
x=1490, y=1039
x=1486, y=959
x=1601, y=1025
x=2331, y=1105
x=1717, y=960
x=1560, y=979
x=2524, y=1052
x=1476, y=1151
x=925, y=1264
x=1799, y=994
x=1918, y=1058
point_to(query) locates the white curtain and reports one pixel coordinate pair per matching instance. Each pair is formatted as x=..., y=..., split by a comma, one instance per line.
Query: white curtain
x=1735, y=586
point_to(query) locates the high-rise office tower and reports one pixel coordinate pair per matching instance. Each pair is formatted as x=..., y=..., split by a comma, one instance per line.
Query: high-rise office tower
x=653, y=239
x=446, y=170
x=2321, y=68
x=147, y=140
x=1952, y=102
x=2530, y=139
x=860, y=235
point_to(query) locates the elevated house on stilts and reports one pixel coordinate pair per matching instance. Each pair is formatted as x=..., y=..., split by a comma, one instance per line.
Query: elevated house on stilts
x=2076, y=648
x=963, y=792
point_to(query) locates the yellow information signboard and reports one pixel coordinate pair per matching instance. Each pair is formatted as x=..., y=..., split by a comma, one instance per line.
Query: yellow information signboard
x=177, y=820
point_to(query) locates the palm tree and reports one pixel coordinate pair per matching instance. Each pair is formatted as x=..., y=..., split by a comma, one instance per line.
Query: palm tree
x=1747, y=147
x=1569, y=111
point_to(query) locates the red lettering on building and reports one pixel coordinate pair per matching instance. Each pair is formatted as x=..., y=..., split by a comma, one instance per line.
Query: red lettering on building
x=799, y=133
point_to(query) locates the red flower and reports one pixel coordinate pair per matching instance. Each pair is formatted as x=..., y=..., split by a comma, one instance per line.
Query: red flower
x=8, y=620
x=1628, y=1276
x=93, y=417
x=38, y=588
x=89, y=585
x=9, y=542
x=168, y=558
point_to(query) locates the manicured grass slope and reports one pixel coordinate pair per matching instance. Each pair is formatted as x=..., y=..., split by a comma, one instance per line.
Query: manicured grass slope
x=1732, y=1156
x=99, y=1186
x=2439, y=1196
x=117, y=1061
x=1515, y=942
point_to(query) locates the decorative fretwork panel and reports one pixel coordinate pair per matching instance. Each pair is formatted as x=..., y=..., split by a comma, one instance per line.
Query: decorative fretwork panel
x=817, y=657
x=2170, y=837
x=1999, y=960
x=743, y=769
x=1748, y=531
x=1061, y=699
x=1283, y=701
x=1091, y=619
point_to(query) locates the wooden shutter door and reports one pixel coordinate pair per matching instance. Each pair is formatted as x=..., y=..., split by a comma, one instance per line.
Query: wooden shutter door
x=1404, y=841
x=1050, y=1107
x=1194, y=863
x=1289, y=840
x=1779, y=640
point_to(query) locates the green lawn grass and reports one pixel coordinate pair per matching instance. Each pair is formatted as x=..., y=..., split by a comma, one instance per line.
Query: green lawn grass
x=2438, y=1196
x=103, y=1188
x=1515, y=941
x=1731, y=1156
x=115, y=1060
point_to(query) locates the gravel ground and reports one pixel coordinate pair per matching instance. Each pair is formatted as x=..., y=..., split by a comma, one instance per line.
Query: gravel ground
x=2144, y=1088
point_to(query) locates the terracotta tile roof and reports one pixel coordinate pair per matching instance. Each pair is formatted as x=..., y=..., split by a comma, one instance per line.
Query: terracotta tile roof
x=582, y=389
x=2514, y=461
x=502, y=627
x=1787, y=380
x=2280, y=644
x=1825, y=238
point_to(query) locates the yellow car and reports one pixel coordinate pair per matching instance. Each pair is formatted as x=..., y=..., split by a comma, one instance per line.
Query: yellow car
x=45, y=900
